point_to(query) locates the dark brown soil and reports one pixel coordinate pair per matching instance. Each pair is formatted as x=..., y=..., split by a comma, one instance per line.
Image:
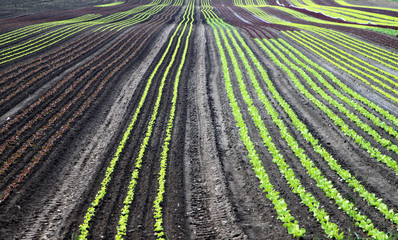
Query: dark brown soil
x=65, y=109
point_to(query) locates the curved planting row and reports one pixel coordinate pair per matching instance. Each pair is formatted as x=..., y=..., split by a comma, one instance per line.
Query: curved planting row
x=348, y=14
x=27, y=67
x=34, y=77
x=158, y=215
x=390, y=215
x=355, y=71
x=47, y=39
x=24, y=32
x=112, y=61
x=293, y=69
x=279, y=203
x=179, y=38
x=156, y=7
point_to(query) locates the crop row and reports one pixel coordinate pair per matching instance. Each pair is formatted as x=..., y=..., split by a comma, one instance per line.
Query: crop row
x=47, y=69
x=330, y=229
x=110, y=4
x=260, y=13
x=351, y=15
x=65, y=32
x=362, y=65
x=344, y=3
x=361, y=51
x=115, y=64
x=366, y=128
x=163, y=159
x=21, y=87
x=60, y=86
x=361, y=220
x=370, y=198
x=279, y=203
x=23, y=70
x=341, y=64
x=84, y=227
x=373, y=151
x=122, y=227
x=24, y=32
x=314, y=172
x=139, y=17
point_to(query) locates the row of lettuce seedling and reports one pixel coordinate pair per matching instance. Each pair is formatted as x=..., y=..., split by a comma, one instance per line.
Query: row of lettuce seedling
x=109, y=71
x=265, y=184
x=351, y=116
x=353, y=60
x=352, y=182
x=376, y=120
x=326, y=185
x=154, y=8
x=370, y=197
x=24, y=32
x=158, y=215
x=121, y=230
x=359, y=50
x=386, y=114
x=330, y=228
x=363, y=45
x=314, y=172
x=373, y=151
x=343, y=66
x=122, y=227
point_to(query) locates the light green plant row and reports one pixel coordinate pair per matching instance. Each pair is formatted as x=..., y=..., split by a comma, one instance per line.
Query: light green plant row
x=315, y=173
x=344, y=3
x=342, y=65
x=309, y=18
x=357, y=16
x=17, y=34
x=38, y=41
x=110, y=4
x=139, y=17
x=312, y=4
x=385, y=75
x=261, y=3
x=358, y=65
x=352, y=15
x=330, y=228
x=274, y=196
x=351, y=116
x=358, y=49
x=25, y=50
x=249, y=2
x=267, y=17
x=55, y=36
x=178, y=2
x=386, y=114
x=344, y=174
x=121, y=15
x=239, y=3
x=122, y=226
x=364, y=45
x=360, y=220
x=84, y=227
x=376, y=120
x=373, y=151
x=159, y=230
x=117, y=18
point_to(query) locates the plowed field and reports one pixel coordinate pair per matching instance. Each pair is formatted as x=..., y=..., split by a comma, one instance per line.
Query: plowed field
x=200, y=119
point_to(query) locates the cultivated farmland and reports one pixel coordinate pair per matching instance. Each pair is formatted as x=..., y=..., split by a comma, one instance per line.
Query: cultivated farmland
x=199, y=119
